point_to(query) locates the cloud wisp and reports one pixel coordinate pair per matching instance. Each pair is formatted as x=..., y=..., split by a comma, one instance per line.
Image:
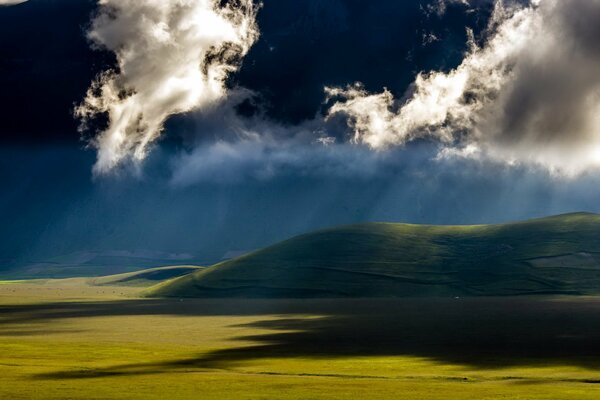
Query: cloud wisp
x=528, y=92
x=11, y=2
x=261, y=160
x=173, y=56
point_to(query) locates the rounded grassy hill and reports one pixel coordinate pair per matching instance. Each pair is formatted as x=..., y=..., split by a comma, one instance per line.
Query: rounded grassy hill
x=555, y=255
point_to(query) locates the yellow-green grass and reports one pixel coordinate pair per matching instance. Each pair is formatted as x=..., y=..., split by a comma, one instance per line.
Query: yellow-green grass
x=115, y=346
x=76, y=289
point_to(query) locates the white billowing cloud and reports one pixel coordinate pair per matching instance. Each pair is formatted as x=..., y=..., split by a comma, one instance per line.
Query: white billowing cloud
x=260, y=158
x=530, y=93
x=173, y=56
x=11, y=2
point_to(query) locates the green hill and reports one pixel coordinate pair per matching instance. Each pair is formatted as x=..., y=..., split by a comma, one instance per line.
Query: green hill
x=556, y=255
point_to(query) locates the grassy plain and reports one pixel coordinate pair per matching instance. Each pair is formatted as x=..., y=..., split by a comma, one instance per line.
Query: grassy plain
x=71, y=340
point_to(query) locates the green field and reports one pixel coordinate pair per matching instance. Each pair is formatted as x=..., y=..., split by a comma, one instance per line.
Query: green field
x=71, y=339
x=550, y=256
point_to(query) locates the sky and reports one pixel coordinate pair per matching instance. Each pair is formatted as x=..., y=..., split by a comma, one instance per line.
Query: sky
x=203, y=128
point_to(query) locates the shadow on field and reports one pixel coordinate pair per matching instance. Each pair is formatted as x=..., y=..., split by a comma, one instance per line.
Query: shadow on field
x=478, y=332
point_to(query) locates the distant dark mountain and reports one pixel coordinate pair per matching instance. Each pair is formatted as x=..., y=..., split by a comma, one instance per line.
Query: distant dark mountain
x=556, y=255
x=97, y=263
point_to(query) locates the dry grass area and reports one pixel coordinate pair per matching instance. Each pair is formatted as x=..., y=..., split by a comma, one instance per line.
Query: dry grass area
x=64, y=339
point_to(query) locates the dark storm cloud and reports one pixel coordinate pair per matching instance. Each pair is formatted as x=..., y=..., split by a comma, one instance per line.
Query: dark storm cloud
x=551, y=101
x=529, y=93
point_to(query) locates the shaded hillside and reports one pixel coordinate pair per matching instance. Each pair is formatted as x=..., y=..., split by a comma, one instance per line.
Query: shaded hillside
x=556, y=255
x=147, y=277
